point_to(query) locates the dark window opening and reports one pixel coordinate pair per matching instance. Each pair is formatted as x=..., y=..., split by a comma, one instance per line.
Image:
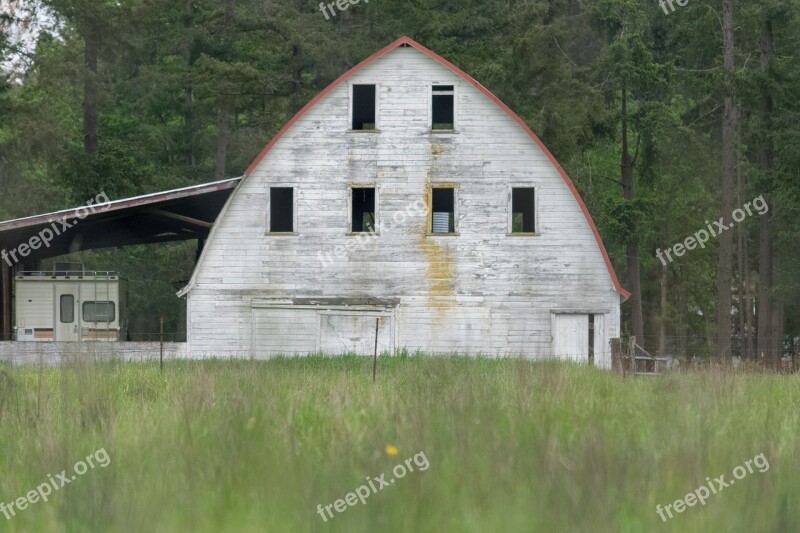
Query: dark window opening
x=67, y=304
x=363, y=107
x=443, y=212
x=281, y=209
x=523, y=211
x=99, y=311
x=443, y=110
x=591, y=339
x=363, y=210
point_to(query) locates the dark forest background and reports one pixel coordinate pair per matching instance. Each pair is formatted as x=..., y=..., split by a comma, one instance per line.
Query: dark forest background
x=664, y=120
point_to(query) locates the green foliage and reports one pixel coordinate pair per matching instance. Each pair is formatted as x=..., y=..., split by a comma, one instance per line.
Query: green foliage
x=167, y=70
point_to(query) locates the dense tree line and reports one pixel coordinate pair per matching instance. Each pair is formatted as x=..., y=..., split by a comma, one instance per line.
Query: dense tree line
x=666, y=119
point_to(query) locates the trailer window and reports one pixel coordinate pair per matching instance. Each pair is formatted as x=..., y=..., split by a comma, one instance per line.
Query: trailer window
x=67, y=303
x=99, y=312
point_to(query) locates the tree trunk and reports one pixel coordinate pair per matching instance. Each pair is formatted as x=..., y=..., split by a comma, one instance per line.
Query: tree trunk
x=90, y=91
x=223, y=100
x=765, y=160
x=662, y=323
x=188, y=116
x=729, y=127
x=749, y=302
x=764, y=286
x=634, y=281
x=777, y=310
x=222, y=137
x=745, y=303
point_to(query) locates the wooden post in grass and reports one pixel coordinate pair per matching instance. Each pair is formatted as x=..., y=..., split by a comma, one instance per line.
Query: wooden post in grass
x=617, y=361
x=375, y=353
x=161, y=357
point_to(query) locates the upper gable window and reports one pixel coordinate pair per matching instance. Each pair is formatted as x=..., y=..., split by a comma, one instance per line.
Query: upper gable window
x=523, y=210
x=443, y=107
x=364, y=105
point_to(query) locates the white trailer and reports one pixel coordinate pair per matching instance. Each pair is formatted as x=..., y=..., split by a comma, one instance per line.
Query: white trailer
x=68, y=304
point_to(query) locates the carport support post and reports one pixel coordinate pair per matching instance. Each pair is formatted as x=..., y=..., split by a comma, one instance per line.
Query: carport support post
x=5, y=305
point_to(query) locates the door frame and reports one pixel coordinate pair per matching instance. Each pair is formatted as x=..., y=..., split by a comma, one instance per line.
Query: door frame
x=600, y=328
x=74, y=290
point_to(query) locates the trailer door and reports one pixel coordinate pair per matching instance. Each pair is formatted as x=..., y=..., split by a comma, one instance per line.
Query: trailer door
x=66, y=311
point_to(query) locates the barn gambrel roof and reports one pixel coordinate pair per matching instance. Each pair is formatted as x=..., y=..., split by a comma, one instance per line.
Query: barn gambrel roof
x=406, y=41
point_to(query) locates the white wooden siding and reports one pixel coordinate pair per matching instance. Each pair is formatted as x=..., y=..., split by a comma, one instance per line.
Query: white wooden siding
x=354, y=333
x=284, y=332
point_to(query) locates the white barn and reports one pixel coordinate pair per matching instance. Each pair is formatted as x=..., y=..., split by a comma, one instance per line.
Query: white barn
x=407, y=200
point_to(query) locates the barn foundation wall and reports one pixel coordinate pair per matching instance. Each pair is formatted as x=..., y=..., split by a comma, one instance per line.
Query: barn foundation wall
x=57, y=353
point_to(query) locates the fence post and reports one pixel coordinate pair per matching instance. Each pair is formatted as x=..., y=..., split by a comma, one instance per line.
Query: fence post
x=616, y=355
x=632, y=354
x=161, y=357
x=375, y=354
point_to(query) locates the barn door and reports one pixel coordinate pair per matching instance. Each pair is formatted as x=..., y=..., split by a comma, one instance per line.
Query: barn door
x=67, y=321
x=354, y=333
x=571, y=335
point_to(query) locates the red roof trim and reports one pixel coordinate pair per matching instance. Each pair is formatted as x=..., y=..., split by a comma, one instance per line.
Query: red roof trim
x=407, y=41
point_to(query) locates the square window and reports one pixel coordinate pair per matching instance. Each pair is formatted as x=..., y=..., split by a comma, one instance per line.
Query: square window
x=364, y=107
x=443, y=111
x=363, y=210
x=281, y=209
x=99, y=312
x=443, y=212
x=523, y=206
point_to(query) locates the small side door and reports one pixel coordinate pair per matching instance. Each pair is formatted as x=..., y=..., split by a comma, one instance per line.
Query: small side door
x=571, y=337
x=67, y=326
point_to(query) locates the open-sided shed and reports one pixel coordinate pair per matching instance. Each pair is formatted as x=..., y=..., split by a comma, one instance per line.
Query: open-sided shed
x=177, y=215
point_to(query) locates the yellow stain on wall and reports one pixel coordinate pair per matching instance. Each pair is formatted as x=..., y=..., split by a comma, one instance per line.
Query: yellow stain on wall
x=440, y=270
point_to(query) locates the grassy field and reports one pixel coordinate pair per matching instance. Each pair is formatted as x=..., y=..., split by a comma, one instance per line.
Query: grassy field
x=510, y=446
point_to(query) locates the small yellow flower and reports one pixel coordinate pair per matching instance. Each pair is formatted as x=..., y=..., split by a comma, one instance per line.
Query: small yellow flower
x=392, y=450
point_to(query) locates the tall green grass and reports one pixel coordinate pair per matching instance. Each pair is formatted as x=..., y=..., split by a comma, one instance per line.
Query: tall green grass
x=246, y=446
